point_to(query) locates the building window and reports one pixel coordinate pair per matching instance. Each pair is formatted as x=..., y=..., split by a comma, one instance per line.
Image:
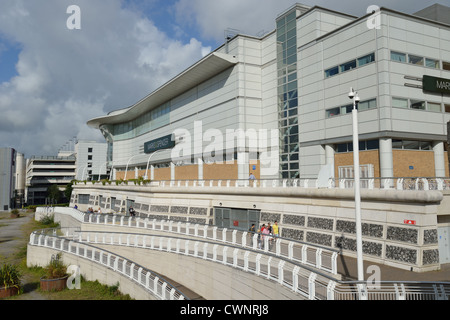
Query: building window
x=362, y=106
x=418, y=60
x=90, y=149
x=348, y=66
x=447, y=108
x=432, y=106
x=331, y=72
x=446, y=65
x=397, y=56
x=399, y=103
x=89, y=157
x=366, y=59
x=411, y=145
x=431, y=63
x=417, y=104
x=364, y=145
x=415, y=60
x=333, y=112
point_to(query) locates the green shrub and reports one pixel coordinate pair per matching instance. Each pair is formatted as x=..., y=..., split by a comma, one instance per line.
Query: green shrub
x=9, y=276
x=56, y=268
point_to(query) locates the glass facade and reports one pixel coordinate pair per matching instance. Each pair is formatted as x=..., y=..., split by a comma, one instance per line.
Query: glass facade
x=288, y=94
x=147, y=122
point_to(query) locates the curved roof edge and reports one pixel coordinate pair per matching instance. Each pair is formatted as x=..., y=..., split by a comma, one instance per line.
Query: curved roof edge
x=201, y=71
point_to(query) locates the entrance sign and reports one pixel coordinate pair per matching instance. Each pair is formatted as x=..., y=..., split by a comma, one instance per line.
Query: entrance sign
x=433, y=84
x=165, y=142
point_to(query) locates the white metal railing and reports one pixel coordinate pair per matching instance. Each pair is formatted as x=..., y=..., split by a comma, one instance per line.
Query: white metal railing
x=156, y=285
x=308, y=283
x=399, y=183
x=324, y=259
x=317, y=287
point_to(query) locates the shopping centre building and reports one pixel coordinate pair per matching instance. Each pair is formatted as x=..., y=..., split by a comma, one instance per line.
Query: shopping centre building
x=277, y=106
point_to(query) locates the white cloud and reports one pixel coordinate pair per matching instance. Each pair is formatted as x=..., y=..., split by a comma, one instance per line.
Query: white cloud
x=67, y=77
x=213, y=17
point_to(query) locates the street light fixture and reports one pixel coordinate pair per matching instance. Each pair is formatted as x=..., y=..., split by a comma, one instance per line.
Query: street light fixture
x=126, y=169
x=353, y=95
x=148, y=162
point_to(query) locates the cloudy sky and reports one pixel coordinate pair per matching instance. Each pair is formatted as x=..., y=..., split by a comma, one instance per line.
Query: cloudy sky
x=54, y=79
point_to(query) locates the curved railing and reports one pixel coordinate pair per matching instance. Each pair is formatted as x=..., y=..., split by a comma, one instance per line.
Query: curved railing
x=154, y=284
x=302, y=278
x=322, y=258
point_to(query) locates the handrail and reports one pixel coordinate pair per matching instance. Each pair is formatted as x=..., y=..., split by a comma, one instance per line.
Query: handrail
x=322, y=258
x=286, y=272
x=317, y=288
x=155, y=284
x=398, y=183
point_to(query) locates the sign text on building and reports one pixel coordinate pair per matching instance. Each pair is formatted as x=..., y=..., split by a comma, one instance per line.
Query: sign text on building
x=433, y=84
x=165, y=142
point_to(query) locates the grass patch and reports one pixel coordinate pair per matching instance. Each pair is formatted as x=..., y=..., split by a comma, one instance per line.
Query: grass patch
x=89, y=290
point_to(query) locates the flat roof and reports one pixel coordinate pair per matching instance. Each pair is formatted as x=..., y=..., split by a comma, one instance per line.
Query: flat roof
x=204, y=69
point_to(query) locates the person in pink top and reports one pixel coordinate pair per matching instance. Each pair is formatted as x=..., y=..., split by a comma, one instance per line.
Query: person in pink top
x=265, y=233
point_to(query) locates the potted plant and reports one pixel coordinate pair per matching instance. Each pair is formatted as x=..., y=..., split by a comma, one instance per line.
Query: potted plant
x=9, y=281
x=55, y=278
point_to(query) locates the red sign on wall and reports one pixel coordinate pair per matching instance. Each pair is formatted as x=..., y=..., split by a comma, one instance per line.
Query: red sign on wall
x=411, y=222
x=236, y=223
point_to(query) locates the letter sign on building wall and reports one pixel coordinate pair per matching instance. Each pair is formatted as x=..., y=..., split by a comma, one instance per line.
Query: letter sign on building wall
x=433, y=84
x=165, y=142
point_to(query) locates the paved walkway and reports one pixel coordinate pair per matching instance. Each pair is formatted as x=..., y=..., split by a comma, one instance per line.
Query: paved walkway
x=12, y=239
x=348, y=268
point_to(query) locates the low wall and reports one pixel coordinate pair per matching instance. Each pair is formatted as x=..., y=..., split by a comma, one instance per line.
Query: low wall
x=211, y=280
x=399, y=227
x=91, y=271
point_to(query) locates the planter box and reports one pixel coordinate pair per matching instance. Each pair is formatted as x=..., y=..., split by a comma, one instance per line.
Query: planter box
x=54, y=284
x=8, y=292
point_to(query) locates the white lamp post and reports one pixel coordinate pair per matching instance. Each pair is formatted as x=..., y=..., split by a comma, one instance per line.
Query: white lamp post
x=354, y=96
x=126, y=169
x=148, y=162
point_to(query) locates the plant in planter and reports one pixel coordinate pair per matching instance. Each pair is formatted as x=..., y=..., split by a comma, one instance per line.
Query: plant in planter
x=14, y=213
x=9, y=281
x=55, y=278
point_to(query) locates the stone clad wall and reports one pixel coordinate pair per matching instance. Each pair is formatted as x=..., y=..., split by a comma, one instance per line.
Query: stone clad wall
x=320, y=216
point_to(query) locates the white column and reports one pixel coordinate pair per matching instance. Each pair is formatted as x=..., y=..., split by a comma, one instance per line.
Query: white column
x=386, y=158
x=200, y=168
x=152, y=173
x=172, y=171
x=243, y=165
x=439, y=161
x=329, y=157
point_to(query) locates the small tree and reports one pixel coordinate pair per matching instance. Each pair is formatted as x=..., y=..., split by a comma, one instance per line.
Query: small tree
x=68, y=190
x=54, y=193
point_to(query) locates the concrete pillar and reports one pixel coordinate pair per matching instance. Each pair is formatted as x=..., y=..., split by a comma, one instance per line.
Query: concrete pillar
x=439, y=161
x=200, y=168
x=243, y=165
x=386, y=161
x=172, y=171
x=152, y=173
x=386, y=158
x=329, y=157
